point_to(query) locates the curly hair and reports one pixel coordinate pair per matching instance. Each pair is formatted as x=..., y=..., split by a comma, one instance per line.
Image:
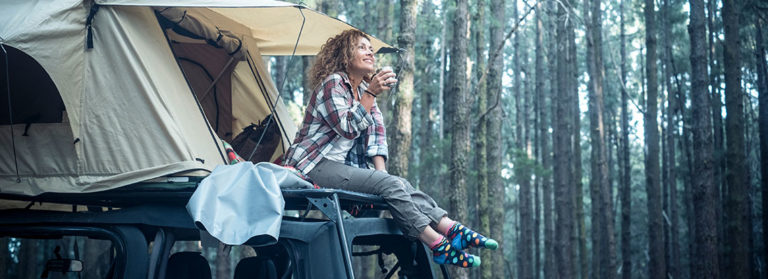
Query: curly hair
x=334, y=56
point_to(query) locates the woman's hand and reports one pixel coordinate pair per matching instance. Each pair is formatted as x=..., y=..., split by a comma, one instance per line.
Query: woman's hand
x=382, y=81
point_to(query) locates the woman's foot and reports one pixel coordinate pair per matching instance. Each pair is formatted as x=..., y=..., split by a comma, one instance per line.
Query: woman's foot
x=445, y=253
x=462, y=237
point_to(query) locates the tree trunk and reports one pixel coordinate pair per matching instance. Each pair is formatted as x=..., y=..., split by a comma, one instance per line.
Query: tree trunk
x=522, y=173
x=736, y=202
x=541, y=135
x=460, y=122
x=580, y=234
x=671, y=184
x=426, y=96
x=549, y=229
x=481, y=136
x=495, y=183
x=441, y=80
x=399, y=132
x=705, y=247
x=717, y=123
x=385, y=18
x=564, y=203
x=626, y=186
x=657, y=267
x=601, y=200
x=762, y=88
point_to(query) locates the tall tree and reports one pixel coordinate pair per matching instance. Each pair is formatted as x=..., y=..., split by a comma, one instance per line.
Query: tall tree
x=522, y=174
x=657, y=267
x=426, y=95
x=705, y=241
x=399, y=133
x=564, y=203
x=495, y=183
x=736, y=202
x=717, y=121
x=481, y=134
x=460, y=120
x=626, y=186
x=600, y=185
x=670, y=239
x=384, y=17
x=541, y=133
x=549, y=228
x=580, y=234
x=762, y=88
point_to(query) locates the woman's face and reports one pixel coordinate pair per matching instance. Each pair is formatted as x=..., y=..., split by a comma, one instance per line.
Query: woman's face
x=363, y=62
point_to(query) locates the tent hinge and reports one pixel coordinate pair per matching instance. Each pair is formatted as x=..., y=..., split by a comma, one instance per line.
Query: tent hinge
x=88, y=25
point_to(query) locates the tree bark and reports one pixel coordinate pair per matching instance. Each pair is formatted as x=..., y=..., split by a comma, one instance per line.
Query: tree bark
x=704, y=189
x=541, y=136
x=549, y=229
x=522, y=172
x=481, y=137
x=626, y=186
x=426, y=96
x=579, y=236
x=736, y=202
x=564, y=203
x=495, y=183
x=762, y=88
x=601, y=199
x=657, y=267
x=460, y=122
x=399, y=134
x=671, y=134
x=441, y=80
x=717, y=122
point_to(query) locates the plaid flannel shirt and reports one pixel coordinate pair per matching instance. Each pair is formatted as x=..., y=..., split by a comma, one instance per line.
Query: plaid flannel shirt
x=333, y=113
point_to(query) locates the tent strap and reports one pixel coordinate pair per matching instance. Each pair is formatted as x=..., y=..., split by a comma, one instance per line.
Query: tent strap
x=218, y=77
x=10, y=110
x=89, y=23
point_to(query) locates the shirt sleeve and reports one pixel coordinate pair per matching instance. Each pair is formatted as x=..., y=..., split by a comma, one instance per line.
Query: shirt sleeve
x=377, y=135
x=333, y=106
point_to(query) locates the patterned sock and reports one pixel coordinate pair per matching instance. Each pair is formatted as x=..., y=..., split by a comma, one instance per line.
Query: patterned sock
x=462, y=237
x=444, y=253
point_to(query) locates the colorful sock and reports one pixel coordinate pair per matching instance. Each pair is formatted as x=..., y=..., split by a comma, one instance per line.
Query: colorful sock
x=444, y=253
x=462, y=237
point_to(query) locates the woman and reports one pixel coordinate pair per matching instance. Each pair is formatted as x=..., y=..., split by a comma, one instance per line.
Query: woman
x=343, y=133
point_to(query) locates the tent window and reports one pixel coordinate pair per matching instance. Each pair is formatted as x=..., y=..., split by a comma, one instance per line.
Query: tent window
x=34, y=96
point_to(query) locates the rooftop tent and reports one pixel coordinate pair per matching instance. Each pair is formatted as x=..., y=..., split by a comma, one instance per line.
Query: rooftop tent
x=139, y=104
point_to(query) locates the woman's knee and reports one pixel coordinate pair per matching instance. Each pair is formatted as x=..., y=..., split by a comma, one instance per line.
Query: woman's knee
x=394, y=184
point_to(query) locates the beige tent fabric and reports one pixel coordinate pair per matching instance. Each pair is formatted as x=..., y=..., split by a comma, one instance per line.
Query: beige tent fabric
x=273, y=25
x=130, y=114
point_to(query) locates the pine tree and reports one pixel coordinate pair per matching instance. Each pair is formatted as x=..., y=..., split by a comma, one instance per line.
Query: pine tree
x=705, y=264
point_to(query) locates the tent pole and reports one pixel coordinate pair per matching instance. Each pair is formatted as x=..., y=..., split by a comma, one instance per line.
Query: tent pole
x=10, y=110
x=218, y=77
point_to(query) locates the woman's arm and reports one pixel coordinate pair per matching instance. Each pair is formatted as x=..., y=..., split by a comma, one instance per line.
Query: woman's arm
x=377, y=148
x=379, y=163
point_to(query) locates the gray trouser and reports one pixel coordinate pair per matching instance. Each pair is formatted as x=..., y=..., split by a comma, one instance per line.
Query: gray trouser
x=413, y=210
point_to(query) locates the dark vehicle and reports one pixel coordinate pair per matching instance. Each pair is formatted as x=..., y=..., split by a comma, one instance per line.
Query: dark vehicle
x=139, y=232
x=113, y=111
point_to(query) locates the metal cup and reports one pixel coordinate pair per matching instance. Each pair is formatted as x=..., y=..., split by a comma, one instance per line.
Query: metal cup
x=390, y=81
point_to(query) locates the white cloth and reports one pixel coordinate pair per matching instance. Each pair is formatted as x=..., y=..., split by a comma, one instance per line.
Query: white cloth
x=243, y=201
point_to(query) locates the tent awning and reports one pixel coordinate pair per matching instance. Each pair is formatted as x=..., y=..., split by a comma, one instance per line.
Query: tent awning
x=274, y=25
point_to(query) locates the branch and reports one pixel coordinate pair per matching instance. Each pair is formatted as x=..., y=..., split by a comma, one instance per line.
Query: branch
x=495, y=54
